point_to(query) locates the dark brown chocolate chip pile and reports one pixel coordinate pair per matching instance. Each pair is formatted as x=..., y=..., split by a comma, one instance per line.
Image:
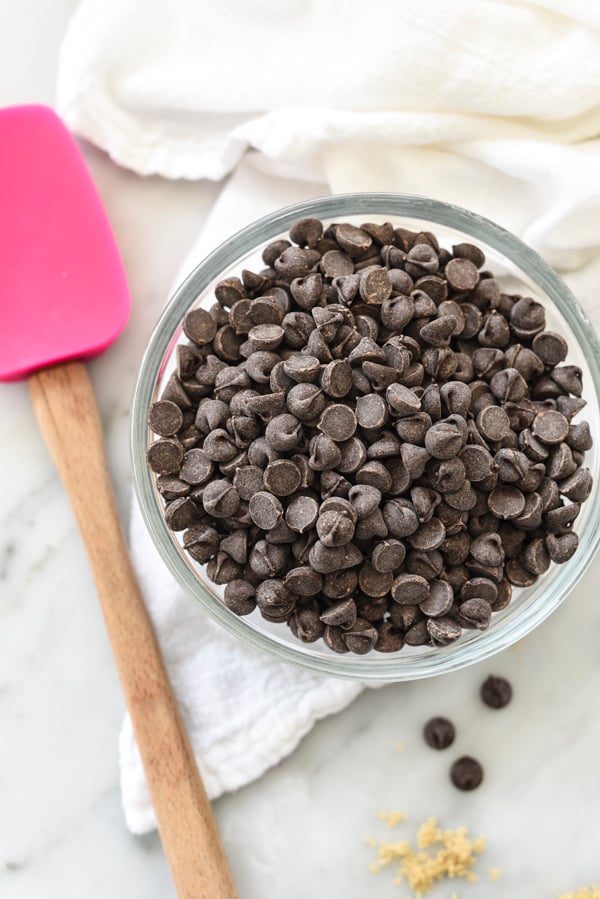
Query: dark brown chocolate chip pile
x=369, y=441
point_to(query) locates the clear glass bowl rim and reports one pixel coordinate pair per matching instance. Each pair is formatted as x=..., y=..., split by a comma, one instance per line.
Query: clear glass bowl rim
x=331, y=207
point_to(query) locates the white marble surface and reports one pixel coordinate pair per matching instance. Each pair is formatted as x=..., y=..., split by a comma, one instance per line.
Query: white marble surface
x=299, y=831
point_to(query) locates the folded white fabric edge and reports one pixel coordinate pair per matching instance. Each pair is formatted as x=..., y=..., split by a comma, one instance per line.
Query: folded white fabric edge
x=489, y=111
x=244, y=711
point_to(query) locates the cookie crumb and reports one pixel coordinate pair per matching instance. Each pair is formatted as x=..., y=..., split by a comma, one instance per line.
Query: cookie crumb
x=399, y=747
x=392, y=819
x=592, y=892
x=439, y=854
x=371, y=842
x=495, y=873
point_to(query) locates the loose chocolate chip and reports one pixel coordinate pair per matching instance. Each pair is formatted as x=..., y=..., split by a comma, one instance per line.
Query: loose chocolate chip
x=475, y=613
x=443, y=631
x=493, y=423
x=409, y=589
x=181, y=513
x=561, y=546
x=446, y=438
x=578, y=486
x=196, y=467
x=282, y=477
x=440, y=599
x=165, y=456
x=496, y=692
x=284, y=432
x=527, y=318
x=306, y=625
x=165, y=418
x=550, y=427
x=220, y=499
x=338, y=422
x=265, y=510
x=461, y=274
x=335, y=264
x=361, y=637
x=388, y=555
x=446, y=475
x=518, y=575
x=305, y=402
x=365, y=499
x=303, y=581
x=400, y=518
x=371, y=411
x=508, y=385
x=306, y=232
x=274, y=600
x=239, y=597
x=439, y=733
x=430, y=535
x=199, y=326
x=335, y=527
x=466, y=773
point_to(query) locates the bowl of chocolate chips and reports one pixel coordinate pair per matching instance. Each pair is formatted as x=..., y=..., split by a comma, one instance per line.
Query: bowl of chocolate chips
x=365, y=437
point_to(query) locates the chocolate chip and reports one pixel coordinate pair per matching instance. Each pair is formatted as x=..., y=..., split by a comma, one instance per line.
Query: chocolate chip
x=527, y=318
x=239, y=597
x=496, y=692
x=446, y=438
x=493, y=423
x=561, y=546
x=388, y=555
x=409, y=589
x=282, y=477
x=338, y=422
x=440, y=599
x=165, y=456
x=550, y=427
x=199, y=326
x=265, y=510
x=274, y=600
x=439, y=733
x=443, y=631
x=335, y=264
x=461, y=274
x=578, y=486
x=361, y=637
x=466, y=773
x=306, y=232
x=400, y=518
x=165, y=418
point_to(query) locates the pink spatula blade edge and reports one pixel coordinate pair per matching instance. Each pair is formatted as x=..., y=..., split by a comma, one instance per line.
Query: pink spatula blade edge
x=63, y=293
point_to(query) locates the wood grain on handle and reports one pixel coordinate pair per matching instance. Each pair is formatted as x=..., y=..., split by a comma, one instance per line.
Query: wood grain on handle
x=66, y=410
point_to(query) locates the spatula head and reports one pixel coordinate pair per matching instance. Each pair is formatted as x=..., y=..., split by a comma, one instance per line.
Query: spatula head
x=63, y=293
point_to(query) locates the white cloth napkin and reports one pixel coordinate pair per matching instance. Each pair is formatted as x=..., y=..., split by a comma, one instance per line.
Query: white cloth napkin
x=491, y=105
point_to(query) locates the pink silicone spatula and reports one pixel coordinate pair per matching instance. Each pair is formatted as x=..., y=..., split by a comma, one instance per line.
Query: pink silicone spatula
x=64, y=298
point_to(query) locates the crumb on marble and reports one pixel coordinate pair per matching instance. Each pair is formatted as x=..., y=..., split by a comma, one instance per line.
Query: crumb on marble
x=392, y=819
x=592, y=892
x=399, y=747
x=371, y=842
x=437, y=854
x=495, y=873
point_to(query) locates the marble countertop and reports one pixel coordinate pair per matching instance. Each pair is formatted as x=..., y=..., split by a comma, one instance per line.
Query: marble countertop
x=300, y=831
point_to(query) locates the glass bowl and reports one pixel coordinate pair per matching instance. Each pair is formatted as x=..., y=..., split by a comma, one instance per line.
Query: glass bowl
x=520, y=270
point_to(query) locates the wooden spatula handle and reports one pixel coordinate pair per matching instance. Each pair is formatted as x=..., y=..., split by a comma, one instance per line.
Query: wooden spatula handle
x=66, y=409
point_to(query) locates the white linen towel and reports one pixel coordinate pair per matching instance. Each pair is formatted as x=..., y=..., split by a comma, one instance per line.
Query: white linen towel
x=494, y=106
